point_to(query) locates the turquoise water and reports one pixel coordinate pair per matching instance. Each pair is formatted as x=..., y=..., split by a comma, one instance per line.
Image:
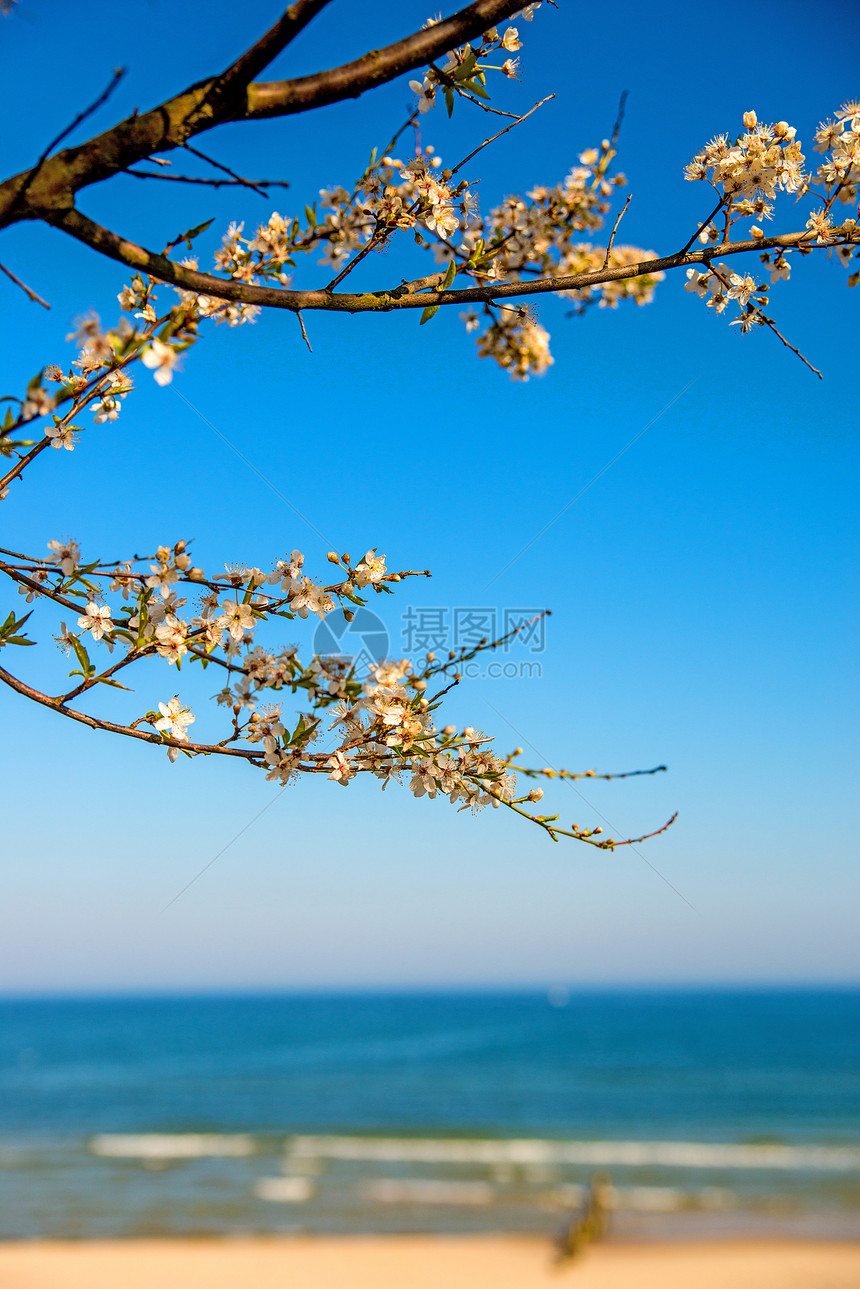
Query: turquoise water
x=719, y=1111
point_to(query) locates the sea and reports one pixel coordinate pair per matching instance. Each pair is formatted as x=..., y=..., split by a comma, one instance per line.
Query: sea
x=710, y=1112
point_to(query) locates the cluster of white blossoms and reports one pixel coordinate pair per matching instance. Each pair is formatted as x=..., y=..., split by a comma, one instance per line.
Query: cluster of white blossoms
x=464, y=71
x=389, y=196
x=841, y=139
x=747, y=176
x=517, y=341
x=762, y=161
x=388, y=730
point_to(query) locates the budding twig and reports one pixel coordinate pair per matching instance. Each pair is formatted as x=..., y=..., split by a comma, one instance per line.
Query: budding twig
x=28, y=291
x=493, y=137
x=246, y=183
x=615, y=229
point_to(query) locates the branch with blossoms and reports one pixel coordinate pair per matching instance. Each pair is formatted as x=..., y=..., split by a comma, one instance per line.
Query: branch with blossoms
x=531, y=247
x=387, y=724
x=526, y=246
x=136, y=608
x=491, y=260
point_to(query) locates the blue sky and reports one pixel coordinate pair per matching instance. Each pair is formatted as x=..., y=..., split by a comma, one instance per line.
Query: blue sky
x=703, y=587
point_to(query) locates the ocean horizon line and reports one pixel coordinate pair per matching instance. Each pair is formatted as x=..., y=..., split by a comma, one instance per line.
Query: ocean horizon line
x=552, y=989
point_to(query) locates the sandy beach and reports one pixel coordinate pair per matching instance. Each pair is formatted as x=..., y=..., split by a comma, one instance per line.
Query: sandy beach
x=422, y=1262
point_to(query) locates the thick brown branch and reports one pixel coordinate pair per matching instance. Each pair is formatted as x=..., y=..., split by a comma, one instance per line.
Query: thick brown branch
x=231, y=86
x=282, y=98
x=49, y=187
x=137, y=257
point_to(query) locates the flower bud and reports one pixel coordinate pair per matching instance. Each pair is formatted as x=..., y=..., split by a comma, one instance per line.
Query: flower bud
x=449, y=730
x=750, y=120
x=431, y=657
x=333, y=557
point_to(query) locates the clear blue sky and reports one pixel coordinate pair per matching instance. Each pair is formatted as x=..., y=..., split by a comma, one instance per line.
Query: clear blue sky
x=703, y=588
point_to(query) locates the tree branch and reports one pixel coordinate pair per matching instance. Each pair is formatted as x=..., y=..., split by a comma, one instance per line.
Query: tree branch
x=256, y=184
x=28, y=291
x=282, y=98
x=233, y=82
x=55, y=704
x=158, y=266
x=49, y=188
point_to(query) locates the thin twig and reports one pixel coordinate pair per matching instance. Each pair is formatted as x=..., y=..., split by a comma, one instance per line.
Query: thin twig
x=769, y=322
x=375, y=241
x=28, y=291
x=776, y=331
x=362, y=254
x=304, y=333
x=211, y=183
x=579, y=774
x=246, y=183
x=450, y=83
x=493, y=137
x=616, y=129
x=702, y=227
x=119, y=72
x=615, y=229
x=496, y=111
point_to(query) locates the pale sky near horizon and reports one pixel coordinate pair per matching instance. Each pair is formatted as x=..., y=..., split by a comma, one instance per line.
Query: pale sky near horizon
x=703, y=586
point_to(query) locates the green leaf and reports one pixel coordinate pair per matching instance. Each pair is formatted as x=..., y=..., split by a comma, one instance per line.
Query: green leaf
x=108, y=680
x=464, y=71
x=310, y=216
x=192, y=232
x=82, y=656
x=449, y=100
x=449, y=276
x=474, y=88
x=428, y=313
x=12, y=625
